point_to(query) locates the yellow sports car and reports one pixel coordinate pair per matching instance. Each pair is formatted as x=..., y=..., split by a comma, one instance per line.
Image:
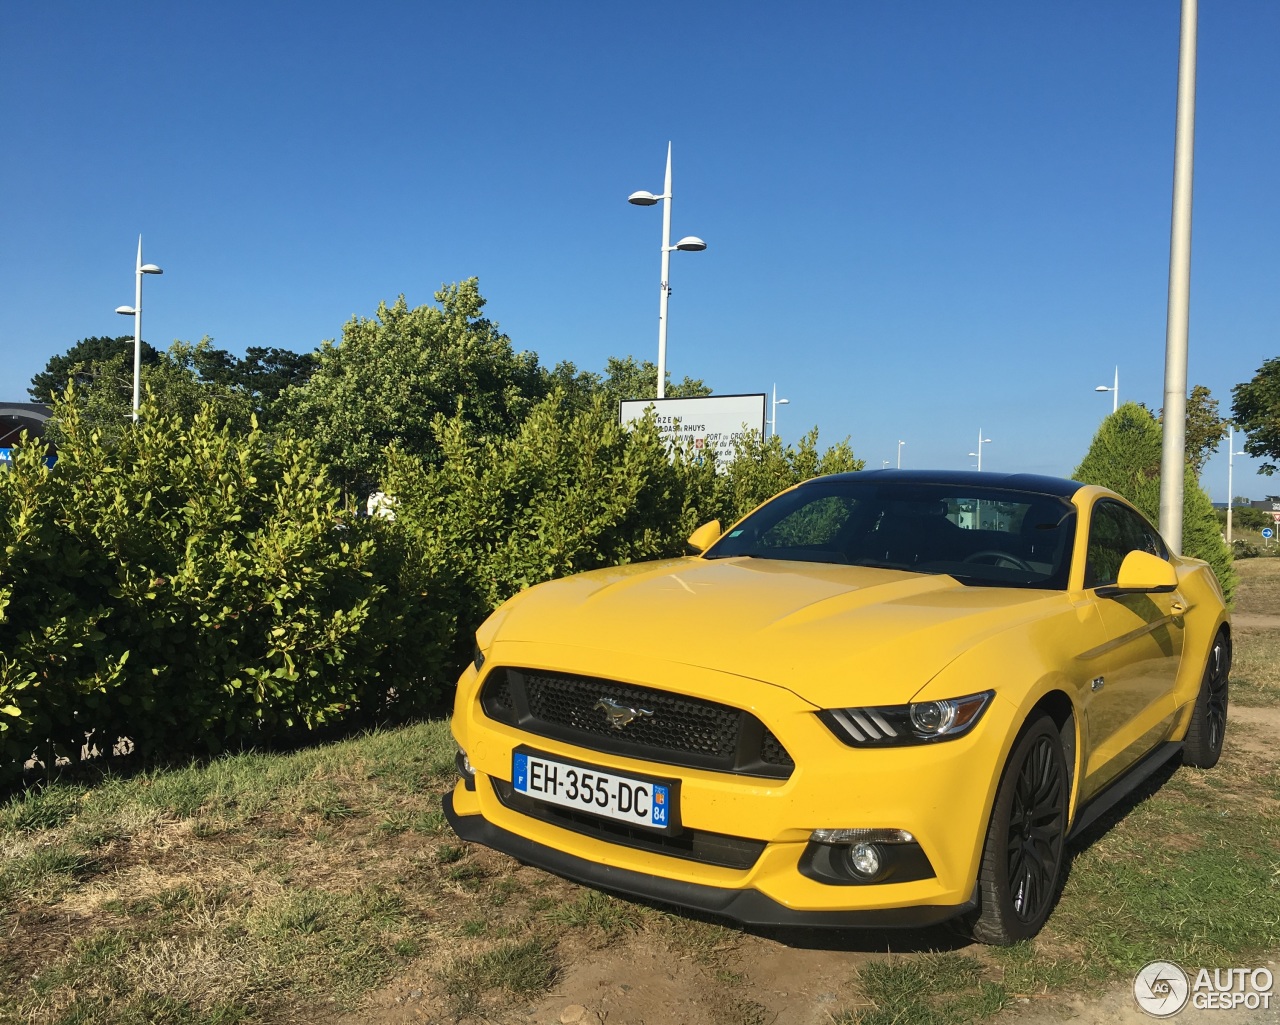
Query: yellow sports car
x=882, y=698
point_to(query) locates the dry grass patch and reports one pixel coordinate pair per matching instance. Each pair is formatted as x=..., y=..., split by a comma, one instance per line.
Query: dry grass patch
x=1259, y=587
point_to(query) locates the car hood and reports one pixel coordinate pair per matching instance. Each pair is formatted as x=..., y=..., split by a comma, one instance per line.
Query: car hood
x=832, y=634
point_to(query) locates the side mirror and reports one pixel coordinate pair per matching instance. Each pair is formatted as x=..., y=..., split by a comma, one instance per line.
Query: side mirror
x=704, y=537
x=1142, y=573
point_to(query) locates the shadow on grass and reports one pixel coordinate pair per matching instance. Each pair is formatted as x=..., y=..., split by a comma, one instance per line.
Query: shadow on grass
x=95, y=767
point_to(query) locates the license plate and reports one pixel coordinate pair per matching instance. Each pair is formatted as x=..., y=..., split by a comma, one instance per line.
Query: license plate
x=640, y=802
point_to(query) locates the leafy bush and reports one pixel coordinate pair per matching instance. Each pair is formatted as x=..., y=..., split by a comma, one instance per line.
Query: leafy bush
x=573, y=490
x=190, y=588
x=1241, y=548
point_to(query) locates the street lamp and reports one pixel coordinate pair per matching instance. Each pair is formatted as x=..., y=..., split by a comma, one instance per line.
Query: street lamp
x=773, y=424
x=883, y=463
x=1231, y=456
x=688, y=244
x=1114, y=390
x=900, y=444
x=135, y=311
x=981, y=441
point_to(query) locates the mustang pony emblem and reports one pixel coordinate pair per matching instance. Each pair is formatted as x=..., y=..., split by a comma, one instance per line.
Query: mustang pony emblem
x=619, y=715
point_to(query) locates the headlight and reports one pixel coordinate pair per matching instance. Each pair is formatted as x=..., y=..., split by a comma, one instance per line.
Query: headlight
x=920, y=722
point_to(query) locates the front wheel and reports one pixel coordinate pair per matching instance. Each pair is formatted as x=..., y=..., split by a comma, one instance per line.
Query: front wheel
x=1203, y=744
x=1023, y=855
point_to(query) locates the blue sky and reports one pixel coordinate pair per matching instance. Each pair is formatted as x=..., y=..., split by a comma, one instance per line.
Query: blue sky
x=924, y=218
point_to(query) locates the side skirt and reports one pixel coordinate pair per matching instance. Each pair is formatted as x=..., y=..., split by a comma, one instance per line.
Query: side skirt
x=1117, y=791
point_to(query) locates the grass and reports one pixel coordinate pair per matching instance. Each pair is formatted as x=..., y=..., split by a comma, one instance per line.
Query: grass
x=932, y=989
x=1255, y=675
x=259, y=888
x=224, y=891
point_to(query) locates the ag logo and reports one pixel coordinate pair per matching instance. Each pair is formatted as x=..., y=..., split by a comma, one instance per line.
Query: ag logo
x=619, y=715
x=1161, y=989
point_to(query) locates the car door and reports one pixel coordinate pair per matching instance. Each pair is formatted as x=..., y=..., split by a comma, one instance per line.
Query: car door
x=1131, y=706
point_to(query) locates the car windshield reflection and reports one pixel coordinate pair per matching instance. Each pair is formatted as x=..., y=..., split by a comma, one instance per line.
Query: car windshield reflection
x=980, y=536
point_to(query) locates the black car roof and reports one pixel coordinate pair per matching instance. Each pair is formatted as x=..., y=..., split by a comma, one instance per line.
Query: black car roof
x=1031, y=482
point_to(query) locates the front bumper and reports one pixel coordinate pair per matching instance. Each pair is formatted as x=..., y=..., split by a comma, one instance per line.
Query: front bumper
x=747, y=906
x=939, y=793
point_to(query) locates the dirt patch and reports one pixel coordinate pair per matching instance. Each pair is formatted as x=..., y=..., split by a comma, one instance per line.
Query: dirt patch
x=1261, y=727
x=633, y=980
x=1255, y=621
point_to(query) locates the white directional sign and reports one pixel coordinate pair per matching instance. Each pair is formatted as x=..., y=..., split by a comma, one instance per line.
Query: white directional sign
x=712, y=423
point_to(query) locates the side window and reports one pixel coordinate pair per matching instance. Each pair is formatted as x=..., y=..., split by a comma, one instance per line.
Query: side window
x=1115, y=531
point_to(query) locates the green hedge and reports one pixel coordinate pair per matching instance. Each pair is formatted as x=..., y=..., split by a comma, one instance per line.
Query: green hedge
x=191, y=589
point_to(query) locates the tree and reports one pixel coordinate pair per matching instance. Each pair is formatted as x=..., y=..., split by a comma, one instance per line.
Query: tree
x=1125, y=457
x=173, y=381
x=261, y=375
x=1205, y=429
x=1255, y=407
x=623, y=378
x=389, y=376
x=79, y=362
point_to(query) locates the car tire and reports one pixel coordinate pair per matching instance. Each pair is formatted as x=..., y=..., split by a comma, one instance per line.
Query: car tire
x=1203, y=744
x=1024, y=851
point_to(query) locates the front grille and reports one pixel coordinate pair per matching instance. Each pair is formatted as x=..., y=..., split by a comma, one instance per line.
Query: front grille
x=690, y=844
x=668, y=728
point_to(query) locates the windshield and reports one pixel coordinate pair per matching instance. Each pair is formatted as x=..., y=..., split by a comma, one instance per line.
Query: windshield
x=980, y=536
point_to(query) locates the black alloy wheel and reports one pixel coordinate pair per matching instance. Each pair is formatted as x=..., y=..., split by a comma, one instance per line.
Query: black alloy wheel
x=1023, y=857
x=1208, y=730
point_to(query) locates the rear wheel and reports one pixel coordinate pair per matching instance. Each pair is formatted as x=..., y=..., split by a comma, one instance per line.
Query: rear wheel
x=1023, y=855
x=1203, y=745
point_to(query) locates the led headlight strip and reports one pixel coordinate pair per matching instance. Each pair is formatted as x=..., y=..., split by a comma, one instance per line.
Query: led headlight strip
x=921, y=722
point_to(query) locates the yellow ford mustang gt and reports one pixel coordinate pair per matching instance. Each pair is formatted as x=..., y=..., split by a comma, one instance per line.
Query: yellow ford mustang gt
x=883, y=698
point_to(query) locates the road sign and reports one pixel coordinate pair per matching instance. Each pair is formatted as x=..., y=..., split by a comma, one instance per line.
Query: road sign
x=1268, y=533
x=712, y=423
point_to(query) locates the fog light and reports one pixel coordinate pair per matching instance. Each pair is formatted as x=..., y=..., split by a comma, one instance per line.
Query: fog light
x=864, y=858
x=465, y=769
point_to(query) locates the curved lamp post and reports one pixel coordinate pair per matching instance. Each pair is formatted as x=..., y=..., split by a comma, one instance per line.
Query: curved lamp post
x=981, y=441
x=1114, y=390
x=135, y=311
x=773, y=423
x=1231, y=484
x=688, y=244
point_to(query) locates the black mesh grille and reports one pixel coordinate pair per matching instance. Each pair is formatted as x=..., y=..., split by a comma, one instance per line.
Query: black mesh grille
x=662, y=727
x=772, y=751
x=664, y=721
x=690, y=844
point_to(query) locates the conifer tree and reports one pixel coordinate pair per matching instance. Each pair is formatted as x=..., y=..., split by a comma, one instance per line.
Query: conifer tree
x=1125, y=457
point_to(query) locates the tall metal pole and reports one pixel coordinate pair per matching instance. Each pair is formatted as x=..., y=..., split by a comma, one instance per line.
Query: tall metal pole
x=665, y=287
x=137, y=332
x=1173, y=455
x=1231, y=487
x=1115, y=391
